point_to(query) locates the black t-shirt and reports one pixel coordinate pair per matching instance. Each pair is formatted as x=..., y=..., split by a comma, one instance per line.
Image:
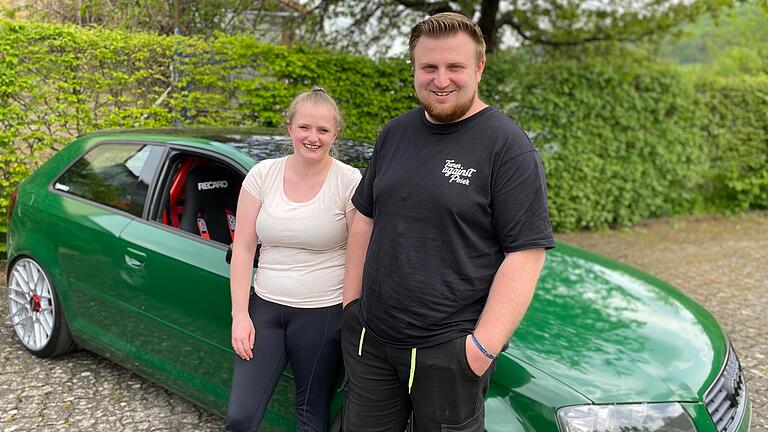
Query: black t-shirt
x=447, y=201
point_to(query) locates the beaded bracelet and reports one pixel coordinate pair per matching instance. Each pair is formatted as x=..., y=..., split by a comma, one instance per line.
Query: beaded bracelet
x=482, y=348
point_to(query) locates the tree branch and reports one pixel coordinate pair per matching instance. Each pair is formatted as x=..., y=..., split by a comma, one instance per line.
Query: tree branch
x=426, y=6
x=296, y=6
x=535, y=36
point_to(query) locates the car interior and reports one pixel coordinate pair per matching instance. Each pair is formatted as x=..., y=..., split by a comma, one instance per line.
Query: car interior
x=201, y=198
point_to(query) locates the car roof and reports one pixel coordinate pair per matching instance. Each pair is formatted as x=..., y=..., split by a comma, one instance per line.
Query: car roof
x=258, y=143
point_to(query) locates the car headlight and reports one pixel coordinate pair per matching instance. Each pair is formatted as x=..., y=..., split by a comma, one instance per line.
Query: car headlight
x=644, y=417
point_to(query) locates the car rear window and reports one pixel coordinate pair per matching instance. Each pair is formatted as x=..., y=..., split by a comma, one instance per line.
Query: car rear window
x=115, y=175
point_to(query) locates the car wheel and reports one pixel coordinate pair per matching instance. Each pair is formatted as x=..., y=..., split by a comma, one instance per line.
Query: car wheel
x=35, y=310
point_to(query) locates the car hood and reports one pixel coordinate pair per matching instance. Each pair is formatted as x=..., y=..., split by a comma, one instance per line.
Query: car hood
x=615, y=334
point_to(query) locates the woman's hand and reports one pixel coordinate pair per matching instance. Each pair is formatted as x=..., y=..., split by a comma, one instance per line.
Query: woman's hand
x=243, y=336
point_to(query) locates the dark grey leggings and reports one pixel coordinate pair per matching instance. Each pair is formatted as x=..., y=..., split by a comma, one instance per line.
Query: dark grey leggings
x=309, y=339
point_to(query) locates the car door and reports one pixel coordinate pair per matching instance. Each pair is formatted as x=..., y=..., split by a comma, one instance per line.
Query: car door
x=177, y=287
x=95, y=199
x=177, y=284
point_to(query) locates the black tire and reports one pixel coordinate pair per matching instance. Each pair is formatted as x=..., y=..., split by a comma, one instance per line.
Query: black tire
x=60, y=339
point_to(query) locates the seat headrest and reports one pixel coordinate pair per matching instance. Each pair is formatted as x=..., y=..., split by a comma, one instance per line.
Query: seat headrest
x=209, y=180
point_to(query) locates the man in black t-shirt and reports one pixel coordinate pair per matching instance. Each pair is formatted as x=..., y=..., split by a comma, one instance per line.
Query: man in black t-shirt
x=445, y=251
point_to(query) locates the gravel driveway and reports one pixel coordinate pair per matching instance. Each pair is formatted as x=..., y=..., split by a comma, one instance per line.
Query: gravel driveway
x=720, y=262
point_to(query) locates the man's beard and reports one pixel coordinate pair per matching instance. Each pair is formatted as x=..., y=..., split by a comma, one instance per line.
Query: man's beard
x=447, y=113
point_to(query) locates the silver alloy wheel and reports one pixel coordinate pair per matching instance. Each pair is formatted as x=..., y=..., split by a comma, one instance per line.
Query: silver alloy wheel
x=31, y=304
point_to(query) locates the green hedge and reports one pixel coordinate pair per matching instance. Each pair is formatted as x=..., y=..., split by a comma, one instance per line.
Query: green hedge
x=735, y=123
x=245, y=81
x=627, y=138
x=57, y=82
x=621, y=138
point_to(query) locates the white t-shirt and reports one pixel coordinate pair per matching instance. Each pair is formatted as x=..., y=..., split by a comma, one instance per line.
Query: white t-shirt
x=303, y=245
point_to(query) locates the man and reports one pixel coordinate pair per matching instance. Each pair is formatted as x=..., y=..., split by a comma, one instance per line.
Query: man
x=446, y=249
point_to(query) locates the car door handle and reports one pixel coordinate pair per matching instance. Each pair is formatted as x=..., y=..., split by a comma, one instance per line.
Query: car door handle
x=135, y=258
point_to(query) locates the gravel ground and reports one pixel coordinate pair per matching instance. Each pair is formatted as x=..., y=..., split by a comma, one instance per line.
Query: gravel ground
x=720, y=262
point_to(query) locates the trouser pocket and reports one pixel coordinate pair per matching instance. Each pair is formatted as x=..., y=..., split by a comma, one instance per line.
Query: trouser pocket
x=475, y=424
x=461, y=348
x=447, y=395
x=351, y=328
x=350, y=317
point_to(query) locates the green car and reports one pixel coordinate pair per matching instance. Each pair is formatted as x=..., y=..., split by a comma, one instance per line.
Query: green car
x=117, y=245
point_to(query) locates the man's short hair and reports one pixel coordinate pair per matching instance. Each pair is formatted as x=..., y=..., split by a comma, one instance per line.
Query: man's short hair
x=447, y=24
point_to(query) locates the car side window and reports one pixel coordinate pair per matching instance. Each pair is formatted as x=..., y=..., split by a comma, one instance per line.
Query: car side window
x=116, y=175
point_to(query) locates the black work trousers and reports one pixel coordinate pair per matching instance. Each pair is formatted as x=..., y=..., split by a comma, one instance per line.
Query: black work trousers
x=309, y=339
x=385, y=384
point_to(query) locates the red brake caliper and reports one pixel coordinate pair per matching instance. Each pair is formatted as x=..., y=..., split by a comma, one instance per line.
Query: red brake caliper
x=35, y=302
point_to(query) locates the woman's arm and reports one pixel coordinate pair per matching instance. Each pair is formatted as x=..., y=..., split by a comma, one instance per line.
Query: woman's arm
x=241, y=271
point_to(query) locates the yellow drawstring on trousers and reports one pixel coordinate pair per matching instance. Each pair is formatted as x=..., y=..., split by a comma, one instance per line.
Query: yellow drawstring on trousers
x=413, y=359
x=413, y=369
x=360, y=347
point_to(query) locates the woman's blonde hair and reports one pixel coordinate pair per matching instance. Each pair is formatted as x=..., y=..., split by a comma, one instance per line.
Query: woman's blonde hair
x=318, y=96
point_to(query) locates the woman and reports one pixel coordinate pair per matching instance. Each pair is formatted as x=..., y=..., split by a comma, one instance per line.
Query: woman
x=300, y=206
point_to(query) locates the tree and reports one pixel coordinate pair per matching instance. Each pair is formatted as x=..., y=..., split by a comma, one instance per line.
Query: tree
x=264, y=18
x=378, y=25
x=357, y=25
x=735, y=44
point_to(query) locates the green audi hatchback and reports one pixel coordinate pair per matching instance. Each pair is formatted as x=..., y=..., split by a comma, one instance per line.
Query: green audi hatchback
x=117, y=245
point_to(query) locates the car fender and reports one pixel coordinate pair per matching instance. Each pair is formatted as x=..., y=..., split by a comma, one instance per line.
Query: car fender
x=522, y=397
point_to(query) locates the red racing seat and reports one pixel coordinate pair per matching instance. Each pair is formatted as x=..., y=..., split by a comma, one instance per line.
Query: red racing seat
x=210, y=200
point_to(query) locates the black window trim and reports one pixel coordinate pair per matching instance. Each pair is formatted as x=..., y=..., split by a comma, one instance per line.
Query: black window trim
x=153, y=192
x=156, y=194
x=150, y=187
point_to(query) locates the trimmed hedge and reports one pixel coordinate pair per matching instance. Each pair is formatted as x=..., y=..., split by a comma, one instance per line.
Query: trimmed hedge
x=735, y=121
x=622, y=138
x=619, y=139
x=250, y=82
x=57, y=82
x=628, y=138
